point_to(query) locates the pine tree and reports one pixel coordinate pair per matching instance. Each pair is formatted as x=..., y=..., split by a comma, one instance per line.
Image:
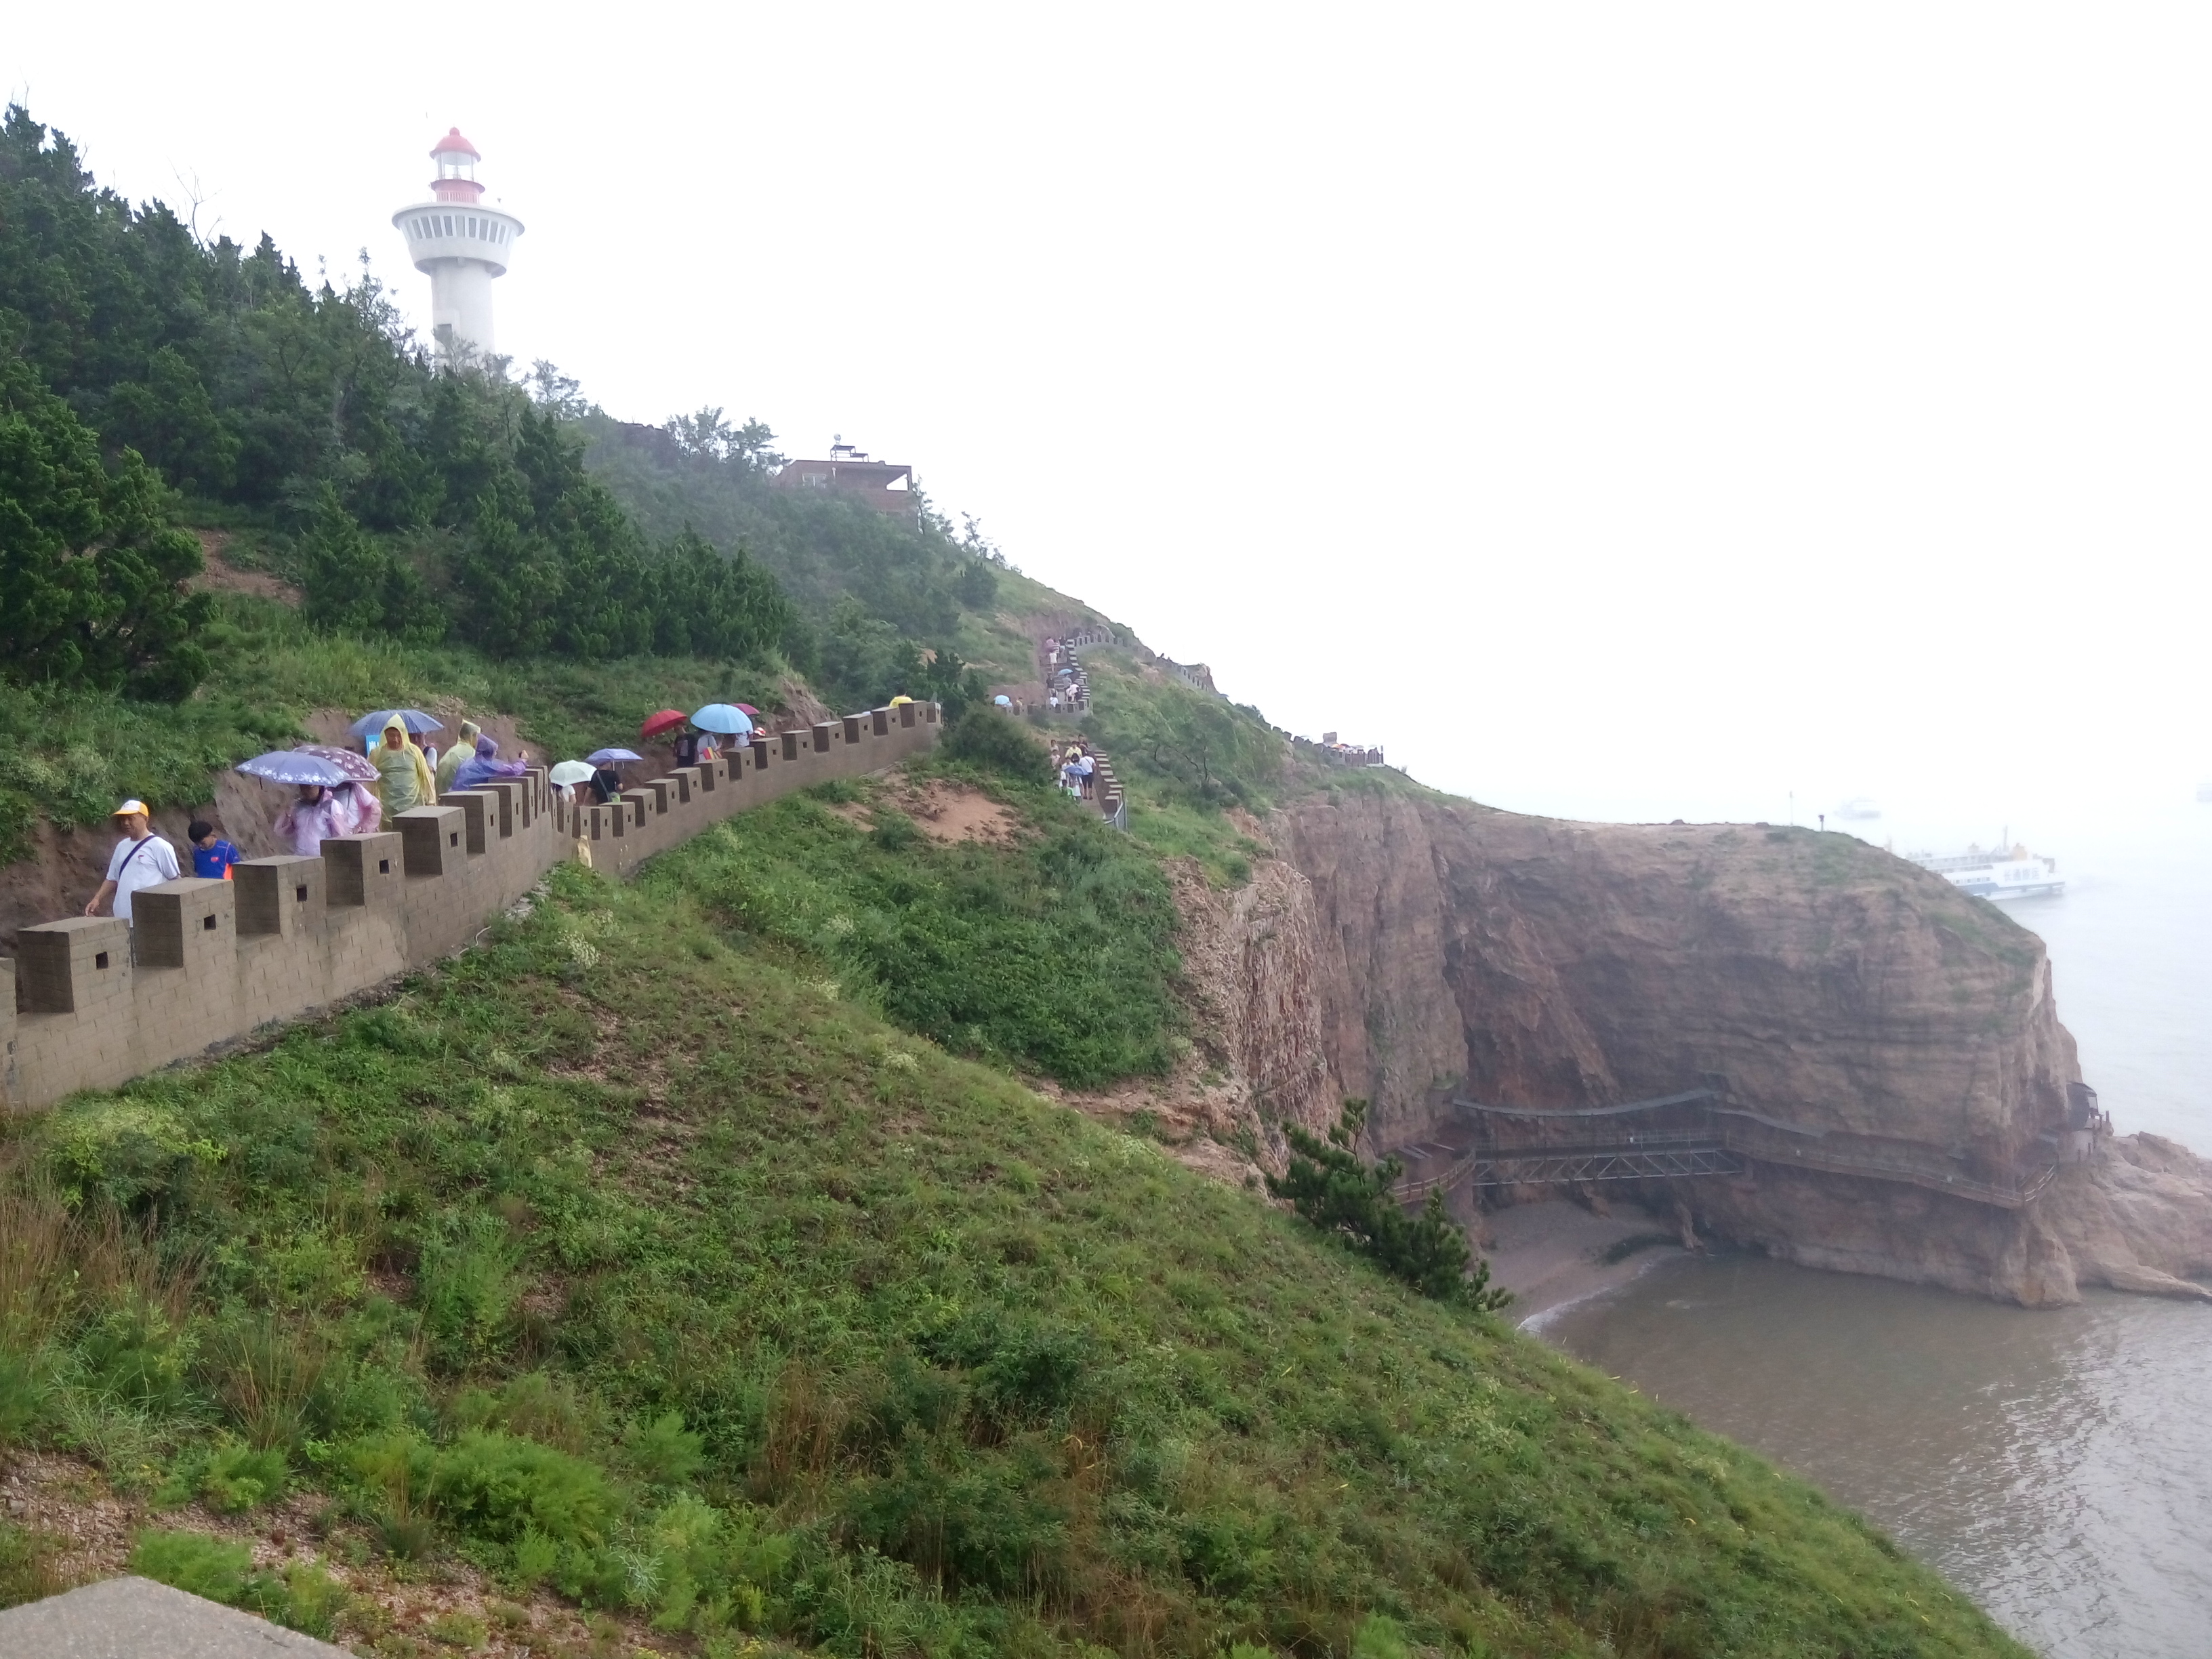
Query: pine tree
x=1328, y=1185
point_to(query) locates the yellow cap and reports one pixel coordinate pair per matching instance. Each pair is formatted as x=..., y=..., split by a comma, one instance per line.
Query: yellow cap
x=129, y=807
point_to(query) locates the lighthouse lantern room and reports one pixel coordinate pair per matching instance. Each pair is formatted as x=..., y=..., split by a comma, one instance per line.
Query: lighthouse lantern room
x=460, y=245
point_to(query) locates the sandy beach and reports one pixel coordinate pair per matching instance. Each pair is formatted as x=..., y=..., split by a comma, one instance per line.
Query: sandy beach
x=1548, y=1255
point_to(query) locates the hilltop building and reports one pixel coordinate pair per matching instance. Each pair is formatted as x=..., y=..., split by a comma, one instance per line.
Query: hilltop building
x=460, y=245
x=884, y=485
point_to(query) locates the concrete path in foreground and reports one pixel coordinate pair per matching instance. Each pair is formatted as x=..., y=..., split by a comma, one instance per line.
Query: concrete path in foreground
x=138, y=1618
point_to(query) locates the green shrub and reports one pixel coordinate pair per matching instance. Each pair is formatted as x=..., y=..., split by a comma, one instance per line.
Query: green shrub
x=459, y=1629
x=496, y=1486
x=237, y=1478
x=991, y=742
x=303, y=1596
x=662, y=1453
x=1379, y=1637
x=137, y=1356
x=1330, y=1186
x=22, y=1397
x=469, y=1294
x=392, y=1472
x=312, y=1600
x=127, y=1151
x=215, y=1568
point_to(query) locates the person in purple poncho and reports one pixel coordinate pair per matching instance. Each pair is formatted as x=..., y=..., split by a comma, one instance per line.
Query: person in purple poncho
x=486, y=765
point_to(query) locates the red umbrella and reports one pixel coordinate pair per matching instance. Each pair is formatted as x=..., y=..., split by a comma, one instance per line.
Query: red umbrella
x=667, y=721
x=747, y=708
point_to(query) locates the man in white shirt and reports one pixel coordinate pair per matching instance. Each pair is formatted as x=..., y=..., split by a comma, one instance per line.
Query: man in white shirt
x=141, y=859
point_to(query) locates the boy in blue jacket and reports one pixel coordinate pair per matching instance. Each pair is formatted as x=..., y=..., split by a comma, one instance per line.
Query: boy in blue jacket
x=212, y=856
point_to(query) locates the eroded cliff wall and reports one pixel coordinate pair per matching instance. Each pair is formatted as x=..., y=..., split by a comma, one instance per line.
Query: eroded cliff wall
x=1810, y=977
x=1549, y=963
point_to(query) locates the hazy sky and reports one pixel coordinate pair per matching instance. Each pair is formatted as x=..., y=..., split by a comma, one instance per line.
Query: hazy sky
x=1632, y=411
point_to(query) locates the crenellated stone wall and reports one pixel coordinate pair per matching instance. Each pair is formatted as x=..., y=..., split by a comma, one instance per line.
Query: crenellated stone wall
x=90, y=1002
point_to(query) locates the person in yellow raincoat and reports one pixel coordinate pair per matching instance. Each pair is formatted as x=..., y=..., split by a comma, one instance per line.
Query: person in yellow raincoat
x=405, y=769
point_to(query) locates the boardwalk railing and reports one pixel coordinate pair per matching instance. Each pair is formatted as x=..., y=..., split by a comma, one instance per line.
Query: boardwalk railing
x=1700, y=1139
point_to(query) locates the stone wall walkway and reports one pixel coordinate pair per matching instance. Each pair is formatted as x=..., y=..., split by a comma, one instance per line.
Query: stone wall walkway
x=92, y=1001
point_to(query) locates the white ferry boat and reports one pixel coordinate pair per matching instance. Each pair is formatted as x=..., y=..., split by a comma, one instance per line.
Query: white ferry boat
x=1998, y=875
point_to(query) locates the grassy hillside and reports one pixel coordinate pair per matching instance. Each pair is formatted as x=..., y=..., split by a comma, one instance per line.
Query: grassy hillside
x=934, y=585
x=633, y=1260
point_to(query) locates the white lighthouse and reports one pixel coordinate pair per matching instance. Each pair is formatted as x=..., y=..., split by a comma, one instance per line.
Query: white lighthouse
x=461, y=245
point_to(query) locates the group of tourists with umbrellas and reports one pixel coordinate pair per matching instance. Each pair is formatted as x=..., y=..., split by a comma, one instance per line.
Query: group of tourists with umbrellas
x=340, y=792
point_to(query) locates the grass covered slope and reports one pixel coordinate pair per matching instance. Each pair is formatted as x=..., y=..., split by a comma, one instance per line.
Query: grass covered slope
x=1054, y=954
x=623, y=1256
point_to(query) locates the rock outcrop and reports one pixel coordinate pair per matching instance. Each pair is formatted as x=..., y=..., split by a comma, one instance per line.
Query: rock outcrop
x=1259, y=1057
x=1808, y=977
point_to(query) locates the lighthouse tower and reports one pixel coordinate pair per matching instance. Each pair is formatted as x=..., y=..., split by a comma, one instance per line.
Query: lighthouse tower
x=461, y=245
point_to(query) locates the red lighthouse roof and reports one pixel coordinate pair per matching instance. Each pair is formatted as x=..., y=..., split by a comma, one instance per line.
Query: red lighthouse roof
x=453, y=141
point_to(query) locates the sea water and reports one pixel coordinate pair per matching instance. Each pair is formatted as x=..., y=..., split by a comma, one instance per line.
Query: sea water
x=2055, y=1465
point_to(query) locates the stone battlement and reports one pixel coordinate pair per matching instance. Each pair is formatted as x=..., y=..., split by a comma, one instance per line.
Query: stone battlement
x=88, y=1004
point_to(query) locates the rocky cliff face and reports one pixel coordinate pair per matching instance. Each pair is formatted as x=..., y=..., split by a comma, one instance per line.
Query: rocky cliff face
x=1808, y=977
x=1259, y=1056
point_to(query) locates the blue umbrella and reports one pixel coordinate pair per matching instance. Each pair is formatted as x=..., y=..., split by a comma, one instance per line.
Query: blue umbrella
x=609, y=756
x=1003, y=701
x=413, y=719
x=290, y=766
x=726, y=718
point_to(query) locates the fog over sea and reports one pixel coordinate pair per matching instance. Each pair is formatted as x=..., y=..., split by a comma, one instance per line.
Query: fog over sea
x=2055, y=1465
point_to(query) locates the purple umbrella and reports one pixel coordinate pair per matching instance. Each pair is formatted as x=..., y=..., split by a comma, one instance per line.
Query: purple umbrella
x=358, y=768
x=290, y=766
x=609, y=756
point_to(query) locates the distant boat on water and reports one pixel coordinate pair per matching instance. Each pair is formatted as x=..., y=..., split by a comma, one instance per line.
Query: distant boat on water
x=1996, y=875
x=1859, y=809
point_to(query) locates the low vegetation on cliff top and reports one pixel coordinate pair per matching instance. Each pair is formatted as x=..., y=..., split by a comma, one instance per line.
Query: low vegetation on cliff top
x=631, y=1261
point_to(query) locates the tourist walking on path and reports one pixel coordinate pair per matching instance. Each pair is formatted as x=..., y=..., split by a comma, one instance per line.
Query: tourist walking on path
x=310, y=819
x=140, y=860
x=407, y=780
x=461, y=754
x=212, y=856
x=357, y=809
x=486, y=764
x=696, y=748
